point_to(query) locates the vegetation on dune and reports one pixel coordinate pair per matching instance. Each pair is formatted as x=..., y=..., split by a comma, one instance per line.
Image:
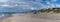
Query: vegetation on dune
x=55, y=10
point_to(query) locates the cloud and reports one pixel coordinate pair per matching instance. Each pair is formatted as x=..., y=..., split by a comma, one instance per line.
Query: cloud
x=57, y=5
x=28, y=5
x=3, y=0
x=53, y=0
x=48, y=2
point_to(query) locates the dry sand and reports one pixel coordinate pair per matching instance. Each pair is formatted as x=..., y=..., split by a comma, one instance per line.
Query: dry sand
x=26, y=17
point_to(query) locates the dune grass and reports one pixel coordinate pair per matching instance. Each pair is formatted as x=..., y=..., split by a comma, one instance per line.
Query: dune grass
x=49, y=10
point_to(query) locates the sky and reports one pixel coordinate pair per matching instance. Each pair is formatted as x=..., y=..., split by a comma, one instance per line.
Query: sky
x=27, y=5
